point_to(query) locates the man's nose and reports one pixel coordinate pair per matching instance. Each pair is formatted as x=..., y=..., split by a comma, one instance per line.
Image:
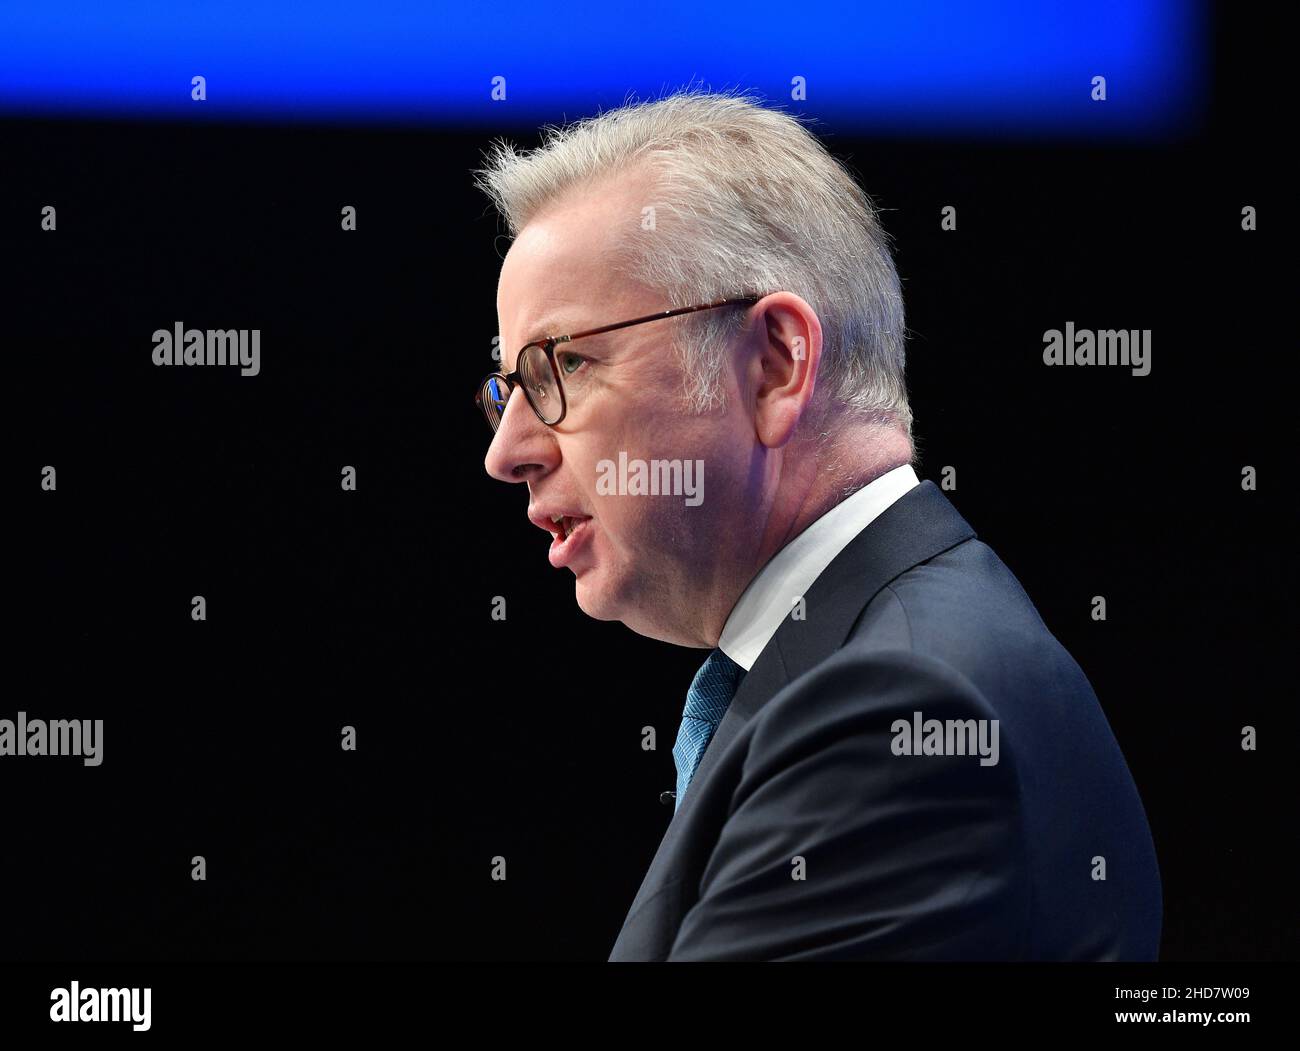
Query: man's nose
x=523, y=446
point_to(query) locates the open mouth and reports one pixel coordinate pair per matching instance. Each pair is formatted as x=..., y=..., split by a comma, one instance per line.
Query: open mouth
x=570, y=534
x=567, y=524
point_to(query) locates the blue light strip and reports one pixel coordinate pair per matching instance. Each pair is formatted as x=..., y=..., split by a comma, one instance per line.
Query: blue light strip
x=922, y=67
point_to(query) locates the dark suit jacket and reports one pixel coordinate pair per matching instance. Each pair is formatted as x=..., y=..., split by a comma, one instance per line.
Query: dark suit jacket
x=923, y=857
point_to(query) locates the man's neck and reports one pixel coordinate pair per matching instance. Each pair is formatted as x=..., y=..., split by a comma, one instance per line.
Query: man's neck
x=830, y=481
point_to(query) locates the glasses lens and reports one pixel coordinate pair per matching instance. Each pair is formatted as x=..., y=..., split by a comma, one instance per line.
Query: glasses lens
x=540, y=383
x=493, y=398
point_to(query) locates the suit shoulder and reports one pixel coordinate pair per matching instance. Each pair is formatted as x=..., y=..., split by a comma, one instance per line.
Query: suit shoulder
x=966, y=610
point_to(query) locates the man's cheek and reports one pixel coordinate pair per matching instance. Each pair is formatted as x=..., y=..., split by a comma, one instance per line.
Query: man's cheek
x=616, y=521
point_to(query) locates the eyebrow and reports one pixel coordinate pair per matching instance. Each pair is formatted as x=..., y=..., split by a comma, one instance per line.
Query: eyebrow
x=548, y=327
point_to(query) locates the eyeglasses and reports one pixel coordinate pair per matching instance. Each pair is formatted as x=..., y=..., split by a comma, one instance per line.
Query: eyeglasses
x=538, y=375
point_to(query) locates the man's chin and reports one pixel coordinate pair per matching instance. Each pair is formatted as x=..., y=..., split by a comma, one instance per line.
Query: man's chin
x=600, y=603
x=593, y=600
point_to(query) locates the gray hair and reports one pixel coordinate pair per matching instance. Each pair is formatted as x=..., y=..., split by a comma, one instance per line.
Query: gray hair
x=747, y=200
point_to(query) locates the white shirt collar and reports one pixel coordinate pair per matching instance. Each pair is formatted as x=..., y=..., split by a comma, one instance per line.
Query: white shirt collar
x=788, y=575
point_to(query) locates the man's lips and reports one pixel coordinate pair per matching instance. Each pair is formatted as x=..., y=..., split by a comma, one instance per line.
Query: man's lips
x=567, y=528
x=557, y=521
x=567, y=543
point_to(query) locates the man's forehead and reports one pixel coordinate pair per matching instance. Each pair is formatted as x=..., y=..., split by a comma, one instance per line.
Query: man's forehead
x=534, y=310
x=537, y=295
x=574, y=247
x=578, y=233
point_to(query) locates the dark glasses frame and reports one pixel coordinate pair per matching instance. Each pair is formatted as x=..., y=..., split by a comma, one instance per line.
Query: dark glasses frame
x=548, y=345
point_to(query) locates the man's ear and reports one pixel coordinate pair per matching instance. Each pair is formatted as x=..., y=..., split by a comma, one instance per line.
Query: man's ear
x=788, y=337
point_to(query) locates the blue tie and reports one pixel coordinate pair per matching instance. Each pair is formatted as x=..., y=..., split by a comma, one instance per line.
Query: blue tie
x=706, y=703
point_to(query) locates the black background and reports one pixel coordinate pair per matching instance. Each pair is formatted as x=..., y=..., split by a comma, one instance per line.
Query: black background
x=521, y=738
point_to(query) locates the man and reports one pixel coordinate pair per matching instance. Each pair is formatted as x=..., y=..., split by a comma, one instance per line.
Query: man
x=886, y=755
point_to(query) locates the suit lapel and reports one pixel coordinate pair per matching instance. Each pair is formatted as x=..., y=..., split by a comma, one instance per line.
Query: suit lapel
x=921, y=524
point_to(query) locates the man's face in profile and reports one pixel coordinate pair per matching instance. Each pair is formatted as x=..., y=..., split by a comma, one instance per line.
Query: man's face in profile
x=640, y=559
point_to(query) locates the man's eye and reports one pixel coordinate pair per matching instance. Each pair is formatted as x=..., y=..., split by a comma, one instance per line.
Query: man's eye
x=570, y=363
